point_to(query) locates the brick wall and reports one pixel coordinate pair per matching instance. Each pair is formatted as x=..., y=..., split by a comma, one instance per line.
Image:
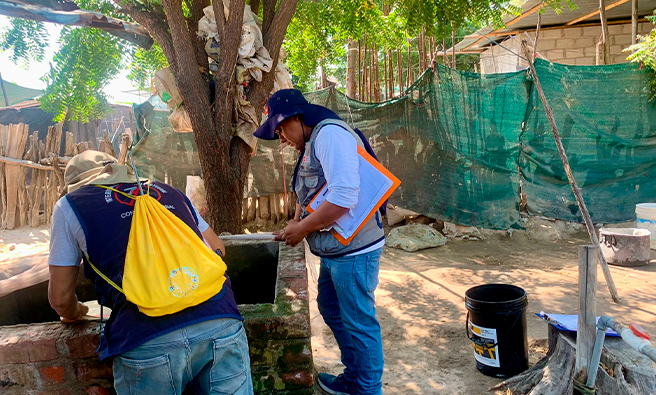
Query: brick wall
x=574, y=46
x=52, y=358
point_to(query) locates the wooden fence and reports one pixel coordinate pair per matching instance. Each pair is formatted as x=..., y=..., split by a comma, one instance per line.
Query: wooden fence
x=32, y=178
x=32, y=173
x=273, y=208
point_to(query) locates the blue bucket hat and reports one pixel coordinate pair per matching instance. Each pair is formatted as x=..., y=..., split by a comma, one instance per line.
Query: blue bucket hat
x=285, y=104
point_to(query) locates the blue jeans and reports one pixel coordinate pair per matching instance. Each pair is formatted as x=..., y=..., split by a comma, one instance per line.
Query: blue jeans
x=347, y=305
x=211, y=357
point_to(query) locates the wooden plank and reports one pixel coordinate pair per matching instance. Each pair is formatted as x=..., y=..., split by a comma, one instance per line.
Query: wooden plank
x=24, y=163
x=265, y=208
x=523, y=15
x=570, y=176
x=15, y=149
x=69, y=149
x=586, y=333
x=596, y=12
x=252, y=206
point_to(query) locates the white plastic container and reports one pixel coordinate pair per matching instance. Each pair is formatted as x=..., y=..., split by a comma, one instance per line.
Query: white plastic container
x=646, y=219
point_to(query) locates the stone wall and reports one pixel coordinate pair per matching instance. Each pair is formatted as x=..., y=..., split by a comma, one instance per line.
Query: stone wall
x=52, y=358
x=574, y=46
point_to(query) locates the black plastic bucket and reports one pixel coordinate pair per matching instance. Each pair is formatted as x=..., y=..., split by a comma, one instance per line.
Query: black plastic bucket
x=496, y=324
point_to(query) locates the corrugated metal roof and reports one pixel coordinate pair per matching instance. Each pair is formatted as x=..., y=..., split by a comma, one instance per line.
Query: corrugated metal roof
x=616, y=11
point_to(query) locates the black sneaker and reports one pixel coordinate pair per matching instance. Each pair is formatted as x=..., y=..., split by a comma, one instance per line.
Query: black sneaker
x=336, y=385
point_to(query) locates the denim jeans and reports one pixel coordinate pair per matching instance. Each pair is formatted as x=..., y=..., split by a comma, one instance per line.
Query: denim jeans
x=347, y=305
x=211, y=357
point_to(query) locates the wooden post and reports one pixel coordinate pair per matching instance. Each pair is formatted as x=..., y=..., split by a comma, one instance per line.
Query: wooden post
x=605, y=43
x=444, y=50
x=359, y=87
x=399, y=71
x=377, y=93
x=537, y=30
x=585, y=336
x=351, y=58
x=4, y=93
x=17, y=139
x=391, y=73
x=634, y=22
x=570, y=176
x=453, y=46
x=410, y=80
x=124, y=148
x=252, y=205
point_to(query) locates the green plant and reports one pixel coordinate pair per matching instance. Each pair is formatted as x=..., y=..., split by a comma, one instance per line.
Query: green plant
x=644, y=52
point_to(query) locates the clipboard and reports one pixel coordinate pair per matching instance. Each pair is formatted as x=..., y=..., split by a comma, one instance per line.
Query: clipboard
x=378, y=185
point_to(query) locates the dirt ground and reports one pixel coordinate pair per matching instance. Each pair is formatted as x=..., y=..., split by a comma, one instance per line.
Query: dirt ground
x=420, y=305
x=420, y=302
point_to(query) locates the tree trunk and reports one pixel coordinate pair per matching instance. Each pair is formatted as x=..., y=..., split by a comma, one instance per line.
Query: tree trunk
x=351, y=59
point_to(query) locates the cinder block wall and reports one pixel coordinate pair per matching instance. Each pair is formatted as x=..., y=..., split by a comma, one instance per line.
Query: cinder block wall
x=573, y=46
x=53, y=358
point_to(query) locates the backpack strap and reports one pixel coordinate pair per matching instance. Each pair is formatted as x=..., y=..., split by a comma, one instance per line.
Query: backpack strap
x=109, y=281
x=127, y=195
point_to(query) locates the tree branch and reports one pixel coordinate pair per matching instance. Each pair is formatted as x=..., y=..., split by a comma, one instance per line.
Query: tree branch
x=255, y=6
x=155, y=24
x=125, y=30
x=268, y=12
x=196, y=9
x=219, y=16
x=273, y=38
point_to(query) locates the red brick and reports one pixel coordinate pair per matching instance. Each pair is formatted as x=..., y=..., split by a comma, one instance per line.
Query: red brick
x=16, y=375
x=51, y=392
x=293, y=288
x=86, y=371
x=28, y=351
x=83, y=346
x=97, y=390
x=298, y=353
x=29, y=343
x=52, y=374
x=302, y=378
x=293, y=268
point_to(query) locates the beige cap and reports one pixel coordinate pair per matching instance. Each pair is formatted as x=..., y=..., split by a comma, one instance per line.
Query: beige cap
x=95, y=167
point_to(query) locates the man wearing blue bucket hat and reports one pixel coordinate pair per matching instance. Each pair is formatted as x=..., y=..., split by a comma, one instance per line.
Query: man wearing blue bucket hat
x=349, y=273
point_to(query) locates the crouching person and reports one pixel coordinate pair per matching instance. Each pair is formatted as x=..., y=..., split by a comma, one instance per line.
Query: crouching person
x=203, y=347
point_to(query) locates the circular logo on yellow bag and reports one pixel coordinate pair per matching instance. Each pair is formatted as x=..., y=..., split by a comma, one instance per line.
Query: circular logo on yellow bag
x=182, y=281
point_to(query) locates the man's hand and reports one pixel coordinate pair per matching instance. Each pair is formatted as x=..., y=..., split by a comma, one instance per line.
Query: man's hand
x=293, y=234
x=82, y=310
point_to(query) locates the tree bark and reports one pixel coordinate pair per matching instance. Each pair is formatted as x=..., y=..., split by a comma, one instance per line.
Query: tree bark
x=351, y=59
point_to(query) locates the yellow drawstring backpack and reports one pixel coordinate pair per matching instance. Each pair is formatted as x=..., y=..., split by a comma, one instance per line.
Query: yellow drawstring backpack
x=168, y=268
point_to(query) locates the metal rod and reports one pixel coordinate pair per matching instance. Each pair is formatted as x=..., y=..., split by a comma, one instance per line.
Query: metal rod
x=136, y=173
